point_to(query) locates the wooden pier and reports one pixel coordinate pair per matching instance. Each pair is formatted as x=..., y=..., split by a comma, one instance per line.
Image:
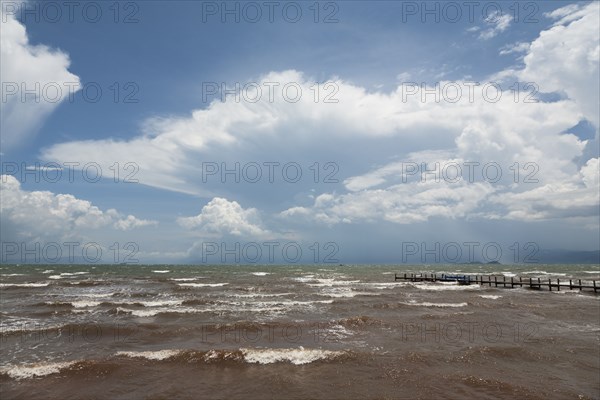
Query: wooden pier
x=496, y=281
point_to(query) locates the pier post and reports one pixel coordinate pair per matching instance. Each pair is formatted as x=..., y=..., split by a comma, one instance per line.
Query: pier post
x=512, y=284
x=580, y=285
x=570, y=284
x=558, y=283
x=550, y=284
x=594, y=286
x=496, y=281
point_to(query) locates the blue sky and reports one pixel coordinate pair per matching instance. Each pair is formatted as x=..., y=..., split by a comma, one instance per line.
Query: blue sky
x=371, y=55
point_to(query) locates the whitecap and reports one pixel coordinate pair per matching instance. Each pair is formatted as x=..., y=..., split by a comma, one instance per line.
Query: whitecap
x=297, y=356
x=35, y=370
x=490, y=296
x=150, y=355
x=202, y=284
x=185, y=279
x=428, y=304
x=23, y=285
x=441, y=286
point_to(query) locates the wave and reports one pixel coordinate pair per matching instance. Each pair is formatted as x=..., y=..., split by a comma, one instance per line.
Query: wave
x=332, y=282
x=490, y=296
x=261, y=273
x=156, y=311
x=441, y=286
x=186, y=279
x=7, y=285
x=161, y=271
x=3, y=275
x=360, y=321
x=254, y=295
x=295, y=356
x=202, y=284
x=544, y=273
x=35, y=370
x=150, y=355
x=442, y=305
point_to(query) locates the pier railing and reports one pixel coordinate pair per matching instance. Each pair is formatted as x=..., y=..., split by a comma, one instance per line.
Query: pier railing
x=493, y=280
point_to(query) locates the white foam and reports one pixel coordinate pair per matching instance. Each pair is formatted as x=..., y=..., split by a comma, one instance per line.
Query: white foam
x=184, y=279
x=74, y=273
x=490, y=296
x=48, y=271
x=428, y=304
x=306, y=278
x=55, y=277
x=12, y=274
x=348, y=294
x=85, y=303
x=297, y=356
x=254, y=295
x=441, y=286
x=34, y=370
x=261, y=273
x=544, y=273
x=591, y=272
x=161, y=271
x=155, y=311
x=345, y=292
x=337, y=332
x=332, y=282
x=159, y=303
x=150, y=355
x=383, y=285
x=23, y=285
x=202, y=284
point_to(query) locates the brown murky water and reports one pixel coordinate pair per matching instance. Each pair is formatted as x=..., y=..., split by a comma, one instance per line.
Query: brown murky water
x=293, y=332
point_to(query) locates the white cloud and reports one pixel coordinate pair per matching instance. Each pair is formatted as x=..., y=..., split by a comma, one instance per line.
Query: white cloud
x=131, y=222
x=518, y=47
x=43, y=215
x=565, y=58
x=224, y=217
x=404, y=129
x=402, y=204
x=30, y=67
x=498, y=23
x=562, y=199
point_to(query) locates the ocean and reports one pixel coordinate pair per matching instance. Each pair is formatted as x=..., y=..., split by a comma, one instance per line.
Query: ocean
x=293, y=332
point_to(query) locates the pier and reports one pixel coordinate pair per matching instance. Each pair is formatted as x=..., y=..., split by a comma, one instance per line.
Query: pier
x=501, y=281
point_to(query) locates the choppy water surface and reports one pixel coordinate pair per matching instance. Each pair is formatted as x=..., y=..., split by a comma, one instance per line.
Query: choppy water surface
x=328, y=332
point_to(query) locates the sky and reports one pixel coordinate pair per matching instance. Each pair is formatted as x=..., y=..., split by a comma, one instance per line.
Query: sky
x=299, y=132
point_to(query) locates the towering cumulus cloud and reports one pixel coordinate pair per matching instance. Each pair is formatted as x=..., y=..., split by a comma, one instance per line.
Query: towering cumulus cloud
x=562, y=60
x=35, y=80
